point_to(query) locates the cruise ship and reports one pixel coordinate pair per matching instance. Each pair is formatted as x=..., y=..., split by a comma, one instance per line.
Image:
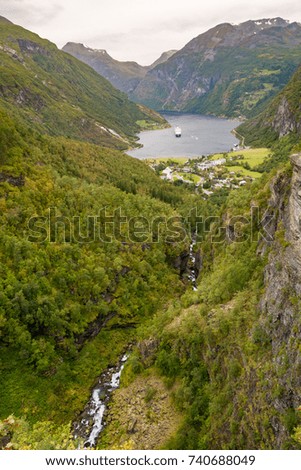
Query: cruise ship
x=178, y=132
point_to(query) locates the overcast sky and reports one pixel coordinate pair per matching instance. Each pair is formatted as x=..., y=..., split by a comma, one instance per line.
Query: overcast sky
x=137, y=29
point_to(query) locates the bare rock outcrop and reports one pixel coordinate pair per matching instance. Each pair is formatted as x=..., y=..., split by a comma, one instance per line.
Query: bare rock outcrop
x=284, y=121
x=281, y=301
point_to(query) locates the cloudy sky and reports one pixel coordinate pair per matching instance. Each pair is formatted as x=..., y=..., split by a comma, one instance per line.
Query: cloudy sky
x=137, y=29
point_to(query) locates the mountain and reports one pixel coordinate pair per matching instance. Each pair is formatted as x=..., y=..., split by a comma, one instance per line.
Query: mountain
x=58, y=94
x=123, y=75
x=230, y=70
x=281, y=118
x=230, y=351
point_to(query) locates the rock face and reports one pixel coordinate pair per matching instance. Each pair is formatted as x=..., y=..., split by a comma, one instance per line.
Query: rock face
x=280, y=304
x=294, y=227
x=284, y=121
x=230, y=69
x=31, y=47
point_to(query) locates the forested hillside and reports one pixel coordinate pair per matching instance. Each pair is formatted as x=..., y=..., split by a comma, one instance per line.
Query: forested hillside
x=74, y=285
x=60, y=95
x=54, y=288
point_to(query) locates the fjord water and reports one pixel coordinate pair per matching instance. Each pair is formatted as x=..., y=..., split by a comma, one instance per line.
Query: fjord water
x=201, y=135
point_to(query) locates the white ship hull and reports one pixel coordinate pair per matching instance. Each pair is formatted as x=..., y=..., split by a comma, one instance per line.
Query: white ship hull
x=178, y=132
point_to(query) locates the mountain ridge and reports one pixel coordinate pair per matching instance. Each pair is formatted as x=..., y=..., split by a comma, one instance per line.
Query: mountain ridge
x=230, y=70
x=124, y=75
x=5, y=20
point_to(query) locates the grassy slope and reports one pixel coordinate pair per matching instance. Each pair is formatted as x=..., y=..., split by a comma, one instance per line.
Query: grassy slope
x=252, y=156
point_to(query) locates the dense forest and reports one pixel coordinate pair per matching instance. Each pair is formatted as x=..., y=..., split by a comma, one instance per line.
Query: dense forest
x=92, y=261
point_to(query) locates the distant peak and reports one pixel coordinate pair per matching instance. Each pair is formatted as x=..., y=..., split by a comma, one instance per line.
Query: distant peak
x=221, y=27
x=79, y=46
x=102, y=51
x=163, y=58
x=267, y=22
x=272, y=21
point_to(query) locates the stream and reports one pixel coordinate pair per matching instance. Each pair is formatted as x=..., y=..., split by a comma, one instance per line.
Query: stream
x=192, y=264
x=91, y=421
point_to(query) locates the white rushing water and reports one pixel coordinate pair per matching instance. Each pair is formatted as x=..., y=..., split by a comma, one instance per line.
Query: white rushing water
x=98, y=407
x=192, y=260
x=92, y=422
x=97, y=411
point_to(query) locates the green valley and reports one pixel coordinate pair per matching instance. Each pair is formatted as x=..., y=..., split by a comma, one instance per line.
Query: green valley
x=190, y=288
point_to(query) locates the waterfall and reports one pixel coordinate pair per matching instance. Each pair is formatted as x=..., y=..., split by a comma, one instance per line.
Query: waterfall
x=91, y=421
x=192, y=264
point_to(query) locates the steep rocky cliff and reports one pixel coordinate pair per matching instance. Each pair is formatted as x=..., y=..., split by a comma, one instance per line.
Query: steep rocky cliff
x=284, y=122
x=280, y=304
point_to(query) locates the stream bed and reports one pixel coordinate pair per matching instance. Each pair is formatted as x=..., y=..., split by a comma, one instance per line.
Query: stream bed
x=192, y=260
x=91, y=421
